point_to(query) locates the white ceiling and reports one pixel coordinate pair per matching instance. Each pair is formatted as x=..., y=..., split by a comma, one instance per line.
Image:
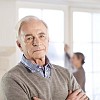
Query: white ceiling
x=62, y=1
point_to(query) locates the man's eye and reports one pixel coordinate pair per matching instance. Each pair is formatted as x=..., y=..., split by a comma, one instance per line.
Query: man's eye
x=42, y=36
x=29, y=38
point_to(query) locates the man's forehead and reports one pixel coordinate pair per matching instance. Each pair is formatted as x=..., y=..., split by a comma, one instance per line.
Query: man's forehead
x=34, y=25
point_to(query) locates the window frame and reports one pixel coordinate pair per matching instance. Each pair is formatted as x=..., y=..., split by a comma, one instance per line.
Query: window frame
x=90, y=10
x=64, y=8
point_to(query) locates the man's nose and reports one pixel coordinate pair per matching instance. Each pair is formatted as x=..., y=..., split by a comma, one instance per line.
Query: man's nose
x=36, y=42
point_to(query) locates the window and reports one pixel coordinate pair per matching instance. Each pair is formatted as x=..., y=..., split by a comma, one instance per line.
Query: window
x=86, y=39
x=55, y=22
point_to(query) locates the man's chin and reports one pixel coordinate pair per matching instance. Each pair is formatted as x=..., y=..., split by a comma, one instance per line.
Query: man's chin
x=39, y=56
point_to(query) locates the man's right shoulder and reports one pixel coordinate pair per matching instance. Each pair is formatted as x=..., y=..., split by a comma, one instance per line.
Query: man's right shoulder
x=14, y=72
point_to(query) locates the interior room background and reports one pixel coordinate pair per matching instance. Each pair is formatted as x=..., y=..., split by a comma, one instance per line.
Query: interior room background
x=75, y=22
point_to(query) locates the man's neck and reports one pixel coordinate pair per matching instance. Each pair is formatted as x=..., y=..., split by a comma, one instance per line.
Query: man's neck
x=40, y=61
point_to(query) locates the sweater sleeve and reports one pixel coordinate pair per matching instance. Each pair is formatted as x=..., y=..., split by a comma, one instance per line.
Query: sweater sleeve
x=73, y=84
x=12, y=90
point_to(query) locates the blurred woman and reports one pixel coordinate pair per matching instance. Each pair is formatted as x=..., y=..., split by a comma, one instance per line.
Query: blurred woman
x=78, y=60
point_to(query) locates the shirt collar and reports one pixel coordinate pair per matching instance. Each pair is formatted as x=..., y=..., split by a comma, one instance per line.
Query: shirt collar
x=34, y=67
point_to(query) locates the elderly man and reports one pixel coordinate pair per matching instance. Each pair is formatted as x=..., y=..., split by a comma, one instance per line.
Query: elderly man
x=35, y=78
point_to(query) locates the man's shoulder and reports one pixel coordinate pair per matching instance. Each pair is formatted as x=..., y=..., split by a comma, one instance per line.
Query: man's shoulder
x=14, y=72
x=60, y=67
x=64, y=71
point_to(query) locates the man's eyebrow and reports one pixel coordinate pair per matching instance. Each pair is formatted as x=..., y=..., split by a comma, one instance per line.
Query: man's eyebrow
x=42, y=33
x=28, y=35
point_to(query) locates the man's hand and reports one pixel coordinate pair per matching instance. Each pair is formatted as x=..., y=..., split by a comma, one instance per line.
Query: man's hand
x=77, y=95
x=35, y=98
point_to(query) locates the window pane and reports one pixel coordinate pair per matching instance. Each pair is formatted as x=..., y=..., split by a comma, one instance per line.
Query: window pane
x=81, y=27
x=96, y=97
x=89, y=85
x=96, y=57
x=96, y=84
x=96, y=27
x=89, y=43
x=56, y=53
x=28, y=12
x=55, y=22
x=86, y=49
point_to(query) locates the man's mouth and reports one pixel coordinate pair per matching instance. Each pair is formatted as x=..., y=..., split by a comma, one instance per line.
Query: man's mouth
x=38, y=50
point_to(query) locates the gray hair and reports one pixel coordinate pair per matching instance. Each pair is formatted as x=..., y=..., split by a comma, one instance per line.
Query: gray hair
x=26, y=19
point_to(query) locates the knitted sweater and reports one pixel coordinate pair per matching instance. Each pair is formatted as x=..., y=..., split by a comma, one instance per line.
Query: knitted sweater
x=21, y=84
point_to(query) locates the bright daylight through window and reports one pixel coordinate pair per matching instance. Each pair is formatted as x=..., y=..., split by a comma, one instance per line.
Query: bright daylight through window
x=86, y=39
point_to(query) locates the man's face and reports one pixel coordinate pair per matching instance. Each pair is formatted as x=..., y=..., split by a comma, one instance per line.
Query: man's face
x=34, y=40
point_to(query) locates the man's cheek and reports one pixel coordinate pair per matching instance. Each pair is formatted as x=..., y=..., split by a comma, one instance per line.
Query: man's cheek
x=30, y=50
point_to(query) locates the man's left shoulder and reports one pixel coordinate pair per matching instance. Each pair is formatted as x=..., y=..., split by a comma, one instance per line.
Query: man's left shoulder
x=62, y=70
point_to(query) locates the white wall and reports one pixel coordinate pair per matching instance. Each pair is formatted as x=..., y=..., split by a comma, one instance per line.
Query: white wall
x=7, y=36
x=7, y=22
x=7, y=33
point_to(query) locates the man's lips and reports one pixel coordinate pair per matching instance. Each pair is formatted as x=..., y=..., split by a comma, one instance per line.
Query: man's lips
x=38, y=50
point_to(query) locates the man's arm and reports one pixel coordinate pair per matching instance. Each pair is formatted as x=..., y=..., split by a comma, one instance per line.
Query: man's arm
x=35, y=98
x=76, y=93
x=12, y=90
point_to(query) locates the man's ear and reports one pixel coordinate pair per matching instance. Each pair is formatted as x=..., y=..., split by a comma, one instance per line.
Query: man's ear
x=19, y=45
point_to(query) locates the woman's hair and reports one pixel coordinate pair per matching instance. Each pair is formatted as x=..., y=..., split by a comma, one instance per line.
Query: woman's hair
x=81, y=56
